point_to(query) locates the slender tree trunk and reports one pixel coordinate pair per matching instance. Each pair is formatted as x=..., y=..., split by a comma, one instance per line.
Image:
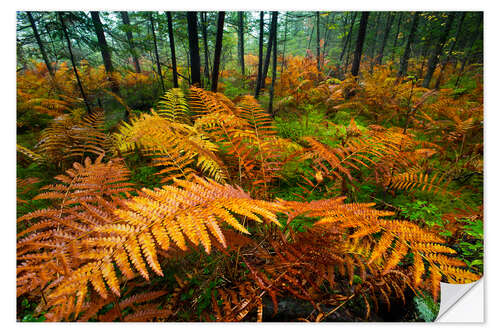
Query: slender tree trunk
x=396, y=37
x=218, y=50
x=68, y=42
x=272, y=31
x=158, y=65
x=194, y=50
x=261, y=45
x=241, y=42
x=373, y=44
x=404, y=59
x=327, y=38
x=105, y=51
x=359, y=43
x=468, y=53
x=450, y=52
x=318, y=47
x=206, y=70
x=172, y=49
x=284, y=44
x=130, y=40
x=431, y=67
x=348, y=38
x=40, y=45
x=275, y=53
x=388, y=26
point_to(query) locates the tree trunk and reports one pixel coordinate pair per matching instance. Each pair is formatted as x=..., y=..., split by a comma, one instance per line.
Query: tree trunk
x=404, y=59
x=359, y=43
x=172, y=49
x=275, y=53
x=396, y=37
x=206, y=70
x=40, y=45
x=348, y=38
x=318, y=64
x=450, y=52
x=431, y=67
x=468, y=53
x=327, y=38
x=272, y=31
x=194, y=51
x=158, y=65
x=218, y=50
x=241, y=42
x=284, y=44
x=130, y=40
x=388, y=26
x=373, y=44
x=105, y=51
x=261, y=45
x=65, y=32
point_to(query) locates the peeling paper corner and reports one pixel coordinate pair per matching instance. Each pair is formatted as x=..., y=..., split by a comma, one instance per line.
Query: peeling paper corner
x=462, y=303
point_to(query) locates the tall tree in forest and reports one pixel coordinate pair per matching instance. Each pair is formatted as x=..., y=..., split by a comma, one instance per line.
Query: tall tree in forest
x=403, y=67
x=275, y=56
x=396, y=37
x=284, y=44
x=374, y=40
x=194, y=51
x=359, y=43
x=388, y=26
x=318, y=46
x=261, y=45
x=431, y=65
x=348, y=40
x=72, y=58
x=241, y=41
x=105, y=51
x=158, y=65
x=172, y=49
x=206, y=68
x=470, y=48
x=218, y=50
x=450, y=51
x=272, y=32
x=40, y=44
x=130, y=40
x=327, y=37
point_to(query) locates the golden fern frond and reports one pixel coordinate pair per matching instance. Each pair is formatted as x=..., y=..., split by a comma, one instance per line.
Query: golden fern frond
x=174, y=106
x=29, y=153
x=173, y=146
x=419, y=181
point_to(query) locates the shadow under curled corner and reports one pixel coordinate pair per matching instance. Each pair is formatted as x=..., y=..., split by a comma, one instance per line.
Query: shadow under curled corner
x=461, y=303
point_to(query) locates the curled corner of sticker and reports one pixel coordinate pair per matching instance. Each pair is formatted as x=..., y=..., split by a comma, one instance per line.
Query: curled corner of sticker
x=462, y=303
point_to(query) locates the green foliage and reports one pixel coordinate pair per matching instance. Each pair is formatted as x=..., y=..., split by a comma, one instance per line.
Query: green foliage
x=426, y=307
x=472, y=245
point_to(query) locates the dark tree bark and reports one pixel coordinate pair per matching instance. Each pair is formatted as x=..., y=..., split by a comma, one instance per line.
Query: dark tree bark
x=68, y=42
x=388, y=26
x=218, y=50
x=261, y=45
x=241, y=42
x=194, y=51
x=40, y=45
x=450, y=51
x=275, y=53
x=348, y=38
x=470, y=48
x=359, y=43
x=172, y=49
x=396, y=37
x=318, y=48
x=105, y=51
x=130, y=41
x=373, y=43
x=272, y=32
x=158, y=65
x=284, y=44
x=406, y=55
x=206, y=69
x=431, y=66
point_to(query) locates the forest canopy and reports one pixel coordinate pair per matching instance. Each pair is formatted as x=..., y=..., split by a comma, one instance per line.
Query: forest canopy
x=247, y=166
